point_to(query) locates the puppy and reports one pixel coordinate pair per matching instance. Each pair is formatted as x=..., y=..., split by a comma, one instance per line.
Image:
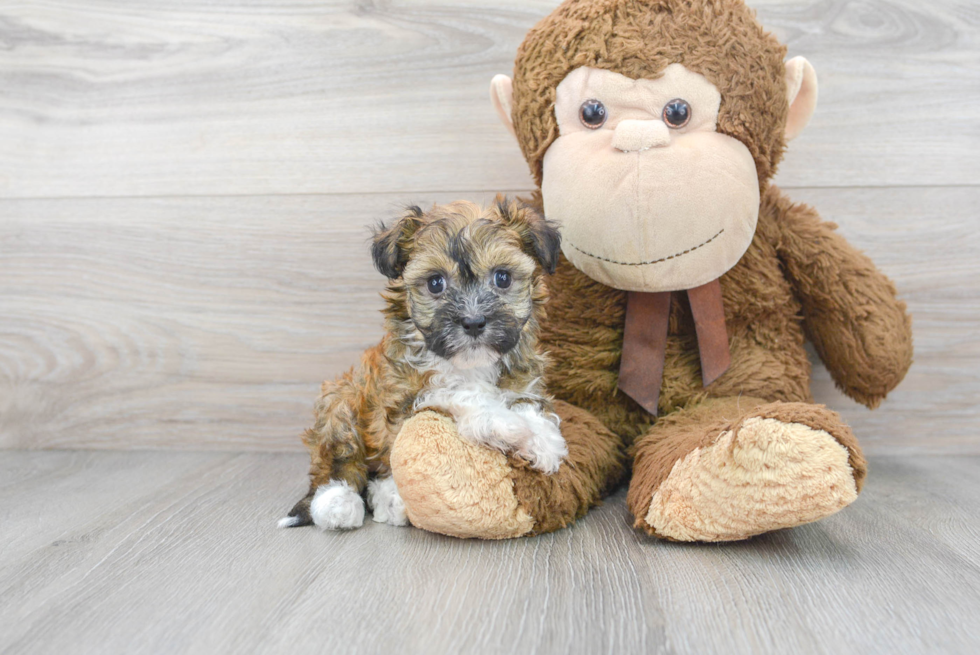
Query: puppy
x=464, y=301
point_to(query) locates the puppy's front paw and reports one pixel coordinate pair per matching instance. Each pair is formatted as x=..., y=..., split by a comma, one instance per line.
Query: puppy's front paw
x=546, y=455
x=546, y=449
x=337, y=506
x=385, y=503
x=501, y=428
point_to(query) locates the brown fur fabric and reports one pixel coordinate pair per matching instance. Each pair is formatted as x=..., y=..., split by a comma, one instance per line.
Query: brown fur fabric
x=862, y=333
x=719, y=39
x=676, y=435
x=798, y=279
x=595, y=464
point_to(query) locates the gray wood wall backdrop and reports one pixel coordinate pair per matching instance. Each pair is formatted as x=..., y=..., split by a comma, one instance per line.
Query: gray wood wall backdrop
x=185, y=190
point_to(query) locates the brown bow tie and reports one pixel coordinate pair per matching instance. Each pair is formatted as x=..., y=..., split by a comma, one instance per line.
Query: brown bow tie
x=641, y=371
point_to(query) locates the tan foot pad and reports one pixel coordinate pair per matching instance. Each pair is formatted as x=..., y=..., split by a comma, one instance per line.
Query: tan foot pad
x=770, y=475
x=454, y=487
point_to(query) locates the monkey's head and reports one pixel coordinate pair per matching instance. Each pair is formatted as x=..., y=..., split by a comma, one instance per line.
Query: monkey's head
x=650, y=127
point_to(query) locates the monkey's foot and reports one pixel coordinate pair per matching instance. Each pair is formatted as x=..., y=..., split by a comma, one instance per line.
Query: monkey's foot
x=465, y=490
x=454, y=487
x=778, y=465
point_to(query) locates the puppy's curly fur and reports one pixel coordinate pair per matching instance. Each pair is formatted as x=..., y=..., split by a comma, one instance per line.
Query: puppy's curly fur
x=464, y=302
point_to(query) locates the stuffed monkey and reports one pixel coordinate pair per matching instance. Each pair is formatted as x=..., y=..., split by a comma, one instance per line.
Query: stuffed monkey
x=687, y=288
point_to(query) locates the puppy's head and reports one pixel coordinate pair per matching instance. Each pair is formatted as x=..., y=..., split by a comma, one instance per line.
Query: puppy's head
x=468, y=279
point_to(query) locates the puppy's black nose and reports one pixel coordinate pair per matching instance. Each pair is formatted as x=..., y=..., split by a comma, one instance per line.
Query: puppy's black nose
x=474, y=325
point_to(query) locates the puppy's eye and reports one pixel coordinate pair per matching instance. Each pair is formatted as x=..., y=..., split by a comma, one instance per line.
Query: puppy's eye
x=592, y=114
x=677, y=113
x=436, y=284
x=502, y=279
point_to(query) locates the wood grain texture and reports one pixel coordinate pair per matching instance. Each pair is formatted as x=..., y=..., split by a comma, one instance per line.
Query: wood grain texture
x=209, y=323
x=181, y=322
x=181, y=97
x=169, y=552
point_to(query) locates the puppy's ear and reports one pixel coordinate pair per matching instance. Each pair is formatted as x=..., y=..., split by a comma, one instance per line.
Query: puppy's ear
x=539, y=236
x=392, y=246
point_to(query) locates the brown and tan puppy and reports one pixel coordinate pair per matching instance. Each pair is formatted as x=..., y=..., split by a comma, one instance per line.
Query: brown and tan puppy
x=464, y=303
x=687, y=287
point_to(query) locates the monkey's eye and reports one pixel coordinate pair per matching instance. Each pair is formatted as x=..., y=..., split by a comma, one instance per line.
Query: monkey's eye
x=592, y=114
x=502, y=279
x=677, y=113
x=436, y=284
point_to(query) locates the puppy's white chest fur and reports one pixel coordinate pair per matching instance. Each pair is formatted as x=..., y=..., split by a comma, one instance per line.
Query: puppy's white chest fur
x=509, y=421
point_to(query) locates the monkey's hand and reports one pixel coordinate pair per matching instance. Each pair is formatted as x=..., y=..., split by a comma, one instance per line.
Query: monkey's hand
x=858, y=326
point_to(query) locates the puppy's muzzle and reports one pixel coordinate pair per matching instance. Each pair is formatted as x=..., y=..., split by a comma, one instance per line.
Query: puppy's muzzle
x=473, y=325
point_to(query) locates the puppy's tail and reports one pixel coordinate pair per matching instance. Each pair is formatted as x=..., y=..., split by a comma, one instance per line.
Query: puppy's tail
x=299, y=515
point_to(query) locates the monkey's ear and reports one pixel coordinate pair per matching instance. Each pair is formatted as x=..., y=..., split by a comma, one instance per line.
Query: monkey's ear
x=540, y=238
x=391, y=246
x=801, y=87
x=502, y=97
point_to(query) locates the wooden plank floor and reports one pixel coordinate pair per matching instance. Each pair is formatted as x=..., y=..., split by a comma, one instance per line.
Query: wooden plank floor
x=109, y=552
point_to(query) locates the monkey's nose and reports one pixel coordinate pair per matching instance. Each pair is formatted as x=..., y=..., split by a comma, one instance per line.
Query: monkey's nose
x=634, y=136
x=474, y=325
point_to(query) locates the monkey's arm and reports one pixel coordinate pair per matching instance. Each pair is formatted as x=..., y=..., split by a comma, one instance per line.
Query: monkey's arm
x=859, y=327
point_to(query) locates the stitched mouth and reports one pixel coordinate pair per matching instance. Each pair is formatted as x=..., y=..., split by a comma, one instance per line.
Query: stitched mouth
x=653, y=261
